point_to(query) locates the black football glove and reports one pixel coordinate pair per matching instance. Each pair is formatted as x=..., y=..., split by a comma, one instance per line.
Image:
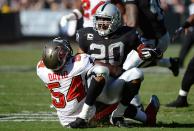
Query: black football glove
x=150, y=54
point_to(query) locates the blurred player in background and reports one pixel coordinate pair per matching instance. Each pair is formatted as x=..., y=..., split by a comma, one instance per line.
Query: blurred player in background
x=188, y=39
x=109, y=42
x=188, y=78
x=147, y=16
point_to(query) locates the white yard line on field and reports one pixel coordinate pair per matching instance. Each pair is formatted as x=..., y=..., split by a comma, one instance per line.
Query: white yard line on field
x=27, y=116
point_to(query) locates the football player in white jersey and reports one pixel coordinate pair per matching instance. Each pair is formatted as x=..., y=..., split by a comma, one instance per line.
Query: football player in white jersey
x=64, y=76
x=71, y=79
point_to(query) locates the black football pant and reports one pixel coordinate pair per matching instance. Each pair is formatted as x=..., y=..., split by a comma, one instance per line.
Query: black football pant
x=188, y=78
x=186, y=46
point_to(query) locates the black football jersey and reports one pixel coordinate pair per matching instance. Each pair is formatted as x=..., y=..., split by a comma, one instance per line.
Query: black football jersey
x=112, y=49
x=151, y=18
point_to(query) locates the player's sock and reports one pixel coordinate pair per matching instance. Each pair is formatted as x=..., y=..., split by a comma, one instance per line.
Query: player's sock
x=137, y=102
x=119, y=111
x=94, y=91
x=87, y=112
x=183, y=92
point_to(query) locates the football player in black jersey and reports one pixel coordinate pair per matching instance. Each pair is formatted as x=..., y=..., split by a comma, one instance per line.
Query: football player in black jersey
x=109, y=42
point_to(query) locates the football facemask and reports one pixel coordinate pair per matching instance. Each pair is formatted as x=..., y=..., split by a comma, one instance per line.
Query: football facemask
x=107, y=19
x=103, y=25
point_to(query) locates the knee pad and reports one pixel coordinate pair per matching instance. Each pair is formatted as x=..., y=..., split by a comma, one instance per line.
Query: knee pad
x=97, y=70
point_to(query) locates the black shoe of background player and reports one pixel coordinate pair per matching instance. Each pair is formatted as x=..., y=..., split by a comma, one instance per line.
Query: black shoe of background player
x=78, y=123
x=174, y=66
x=181, y=101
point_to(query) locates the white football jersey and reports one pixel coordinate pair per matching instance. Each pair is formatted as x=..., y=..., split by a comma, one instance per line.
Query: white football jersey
x=68, y=87
x=89, y=9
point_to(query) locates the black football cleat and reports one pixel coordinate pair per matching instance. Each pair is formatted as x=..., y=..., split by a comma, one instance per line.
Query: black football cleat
x=78, y=123
x=117, y=121
x=174, y=66
x=181, y=101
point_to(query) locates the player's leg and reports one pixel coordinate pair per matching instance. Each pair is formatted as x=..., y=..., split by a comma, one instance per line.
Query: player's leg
x=132, y=81
x=186, y=46
x=187, y=81
x=130, y=89
x=171, y=63
x=96, y=81
x=149, y=116
x=133, y=60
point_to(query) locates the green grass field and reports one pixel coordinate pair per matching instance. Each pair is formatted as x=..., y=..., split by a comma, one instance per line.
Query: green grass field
x=25, y=102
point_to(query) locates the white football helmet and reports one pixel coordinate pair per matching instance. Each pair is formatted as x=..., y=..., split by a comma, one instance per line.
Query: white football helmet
x=107, y=19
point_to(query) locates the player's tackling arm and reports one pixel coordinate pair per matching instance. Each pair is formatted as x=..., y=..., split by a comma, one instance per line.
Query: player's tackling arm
x=132, y=15
x=131, y=11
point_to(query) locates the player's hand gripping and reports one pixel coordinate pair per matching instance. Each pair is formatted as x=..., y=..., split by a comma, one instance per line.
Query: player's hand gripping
x=147, y=53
